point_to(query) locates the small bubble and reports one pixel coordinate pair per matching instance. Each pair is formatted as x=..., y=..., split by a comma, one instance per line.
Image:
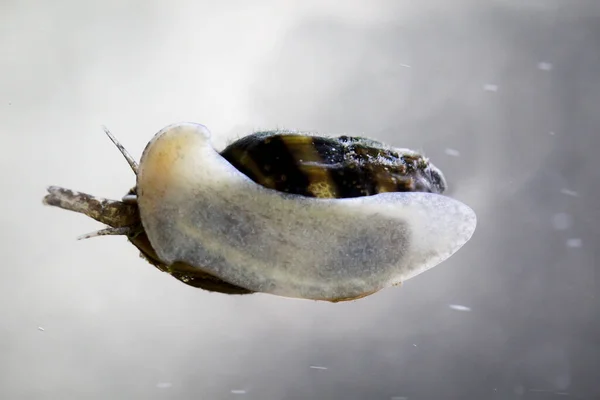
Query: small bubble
x=545, y=66
x=551, y=133
x=574, y=243
x=317, y=367
x=458, y=307
x=452, y=152
x=238, y=391
x=489, y=87
x=569, y=192
x=398, y=398
x=561, y=221
x=164, y=385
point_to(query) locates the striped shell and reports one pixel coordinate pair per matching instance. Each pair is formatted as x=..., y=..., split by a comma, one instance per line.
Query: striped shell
x=322, y=167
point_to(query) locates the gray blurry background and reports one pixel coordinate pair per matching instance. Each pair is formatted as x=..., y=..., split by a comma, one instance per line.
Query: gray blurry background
x=504, y=96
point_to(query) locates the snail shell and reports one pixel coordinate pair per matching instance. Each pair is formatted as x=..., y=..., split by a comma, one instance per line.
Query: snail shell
x=341, y=167
x=198, y=209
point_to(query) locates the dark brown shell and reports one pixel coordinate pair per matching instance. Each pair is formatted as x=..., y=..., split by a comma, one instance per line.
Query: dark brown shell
x=340, y=167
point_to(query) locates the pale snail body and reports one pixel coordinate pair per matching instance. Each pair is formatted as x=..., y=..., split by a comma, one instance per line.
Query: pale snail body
x=199, y=210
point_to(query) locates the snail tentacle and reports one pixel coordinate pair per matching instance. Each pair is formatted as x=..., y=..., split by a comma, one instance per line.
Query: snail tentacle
x=130, y=160
x=124, y=230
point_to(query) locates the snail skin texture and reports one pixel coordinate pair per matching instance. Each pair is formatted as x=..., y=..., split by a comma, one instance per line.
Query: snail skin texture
x=197, y=209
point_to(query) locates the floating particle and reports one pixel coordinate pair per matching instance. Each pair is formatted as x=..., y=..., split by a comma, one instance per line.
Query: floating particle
x=551, y=133
x=41, y=329
x=238, y=391
x=398, y=398
x=317, y=367
x=452, y=152
x=574, y=243
x=458, y=307
x=405, y=65
x=569, y=192
x=489, y=87
x=561, y=221
x=545, y=66
x=164, y=385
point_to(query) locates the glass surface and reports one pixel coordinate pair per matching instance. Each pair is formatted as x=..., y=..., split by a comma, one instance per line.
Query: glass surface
x=503, y=96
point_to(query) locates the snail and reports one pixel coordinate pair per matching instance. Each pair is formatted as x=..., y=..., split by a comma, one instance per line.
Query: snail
x=285, y=213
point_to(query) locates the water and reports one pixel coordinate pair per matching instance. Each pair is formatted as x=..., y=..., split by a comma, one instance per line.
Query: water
x=408, y=73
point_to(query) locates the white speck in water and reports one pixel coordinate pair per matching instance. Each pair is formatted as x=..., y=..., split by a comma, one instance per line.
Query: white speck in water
x=569, y=192
x=452, y=152
x=238, y=391
x=545, y=66
x=561, y=221
x=549, y=391
x=458, y=307
x=41, y=329
x=164, y=385
x=551, y=133
x=405, y=65
x=317, y=367
x=398, y=398
x=414, y=345
x=574, y=243
x=489, y=87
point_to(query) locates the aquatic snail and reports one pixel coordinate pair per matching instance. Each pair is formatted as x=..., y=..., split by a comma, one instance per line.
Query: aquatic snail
x=285, y=213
